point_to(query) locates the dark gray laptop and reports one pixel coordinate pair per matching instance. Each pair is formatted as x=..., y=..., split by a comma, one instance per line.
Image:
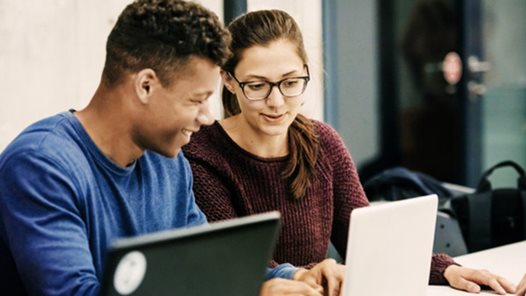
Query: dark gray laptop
x=223, y=258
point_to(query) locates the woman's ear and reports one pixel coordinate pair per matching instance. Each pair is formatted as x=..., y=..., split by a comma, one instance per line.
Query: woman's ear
x=228, y=81
x=145, y=81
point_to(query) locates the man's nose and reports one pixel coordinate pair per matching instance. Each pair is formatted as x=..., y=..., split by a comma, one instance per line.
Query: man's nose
x=205, y=116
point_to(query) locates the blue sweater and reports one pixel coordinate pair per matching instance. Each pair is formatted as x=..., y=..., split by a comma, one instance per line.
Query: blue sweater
x=62, y=203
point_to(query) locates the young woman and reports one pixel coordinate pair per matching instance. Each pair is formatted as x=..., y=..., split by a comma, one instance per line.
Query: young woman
x=266, y=156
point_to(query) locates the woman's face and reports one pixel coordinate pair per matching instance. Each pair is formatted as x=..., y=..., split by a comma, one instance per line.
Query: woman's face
x=273, y=63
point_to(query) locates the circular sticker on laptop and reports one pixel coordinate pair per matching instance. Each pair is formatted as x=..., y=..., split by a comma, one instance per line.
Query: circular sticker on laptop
x=129, y=273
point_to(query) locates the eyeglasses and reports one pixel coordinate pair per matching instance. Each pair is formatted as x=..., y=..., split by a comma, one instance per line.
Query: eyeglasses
x=260, y=90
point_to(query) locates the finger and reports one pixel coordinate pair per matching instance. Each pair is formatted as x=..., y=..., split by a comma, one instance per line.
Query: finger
x=333, y=288
x=486, y=278
x=330, y=286
x=300, y=288
x=495, y=285
x=287, y=287
x=305, y=289
x=334, y=282
x=312, y=282
x=463, y=284
x=507, y=285
x=521, y=291
x=309, y=277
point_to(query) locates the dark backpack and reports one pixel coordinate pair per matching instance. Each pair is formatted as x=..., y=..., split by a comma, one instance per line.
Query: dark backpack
x=492, y=217
x=400, y=183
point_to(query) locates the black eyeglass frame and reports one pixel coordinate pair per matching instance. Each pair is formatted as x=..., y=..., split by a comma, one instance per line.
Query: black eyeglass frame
x=242, y=85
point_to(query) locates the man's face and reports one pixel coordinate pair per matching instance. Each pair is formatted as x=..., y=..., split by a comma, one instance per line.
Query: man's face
x=176, y=111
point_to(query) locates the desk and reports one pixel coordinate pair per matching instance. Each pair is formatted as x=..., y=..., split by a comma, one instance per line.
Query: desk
x=508, y=261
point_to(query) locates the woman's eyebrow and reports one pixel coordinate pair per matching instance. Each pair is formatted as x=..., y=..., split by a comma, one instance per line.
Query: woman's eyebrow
x=254, y=76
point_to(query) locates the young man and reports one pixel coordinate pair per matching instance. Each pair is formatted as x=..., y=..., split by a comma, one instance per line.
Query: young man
x=73, y=182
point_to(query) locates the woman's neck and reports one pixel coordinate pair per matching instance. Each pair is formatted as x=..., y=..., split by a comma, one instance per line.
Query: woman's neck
x=254, y=140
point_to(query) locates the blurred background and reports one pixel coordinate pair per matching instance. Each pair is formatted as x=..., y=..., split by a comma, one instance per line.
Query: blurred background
x=437, y=86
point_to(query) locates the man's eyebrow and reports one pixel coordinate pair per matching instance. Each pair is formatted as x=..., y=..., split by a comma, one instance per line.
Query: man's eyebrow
x=206, y=93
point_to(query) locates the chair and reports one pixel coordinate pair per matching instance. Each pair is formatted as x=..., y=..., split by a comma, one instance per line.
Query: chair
x=448, y=236
x=333, y=253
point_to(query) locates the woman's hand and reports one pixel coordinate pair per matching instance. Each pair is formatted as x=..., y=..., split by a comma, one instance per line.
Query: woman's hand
x=327, y=274
x=521, y=288
x=469, y=280
x=283, y=287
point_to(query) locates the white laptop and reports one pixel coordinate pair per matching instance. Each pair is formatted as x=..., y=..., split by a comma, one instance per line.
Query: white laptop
x=390, y=247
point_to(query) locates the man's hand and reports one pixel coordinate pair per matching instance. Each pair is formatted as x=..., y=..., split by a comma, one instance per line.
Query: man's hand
x=469, y=280
x=327, y=274
x=279, y=287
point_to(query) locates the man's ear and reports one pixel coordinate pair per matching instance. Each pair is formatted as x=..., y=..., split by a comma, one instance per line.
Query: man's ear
x=228, y=81
x=145, y=82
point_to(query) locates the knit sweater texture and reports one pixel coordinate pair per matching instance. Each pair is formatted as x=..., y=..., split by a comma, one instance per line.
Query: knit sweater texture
x=231, y=182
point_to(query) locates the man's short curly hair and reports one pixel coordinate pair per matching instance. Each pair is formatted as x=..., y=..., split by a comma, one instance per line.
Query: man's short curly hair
x=162, y=35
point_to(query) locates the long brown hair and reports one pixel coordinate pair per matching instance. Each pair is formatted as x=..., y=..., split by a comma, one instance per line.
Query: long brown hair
x=259, y=28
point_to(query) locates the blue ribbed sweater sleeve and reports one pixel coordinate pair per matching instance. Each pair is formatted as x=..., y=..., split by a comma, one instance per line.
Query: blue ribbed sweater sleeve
x=285, y=271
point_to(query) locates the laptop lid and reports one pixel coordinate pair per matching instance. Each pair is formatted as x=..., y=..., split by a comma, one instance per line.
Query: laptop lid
x=223, y=258
x=389, y=248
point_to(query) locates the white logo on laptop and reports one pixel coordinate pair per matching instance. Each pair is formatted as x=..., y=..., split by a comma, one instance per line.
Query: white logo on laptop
x=129, y=273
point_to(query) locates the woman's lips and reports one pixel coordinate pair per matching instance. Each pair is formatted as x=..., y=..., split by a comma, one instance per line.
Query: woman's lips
x=274, y=117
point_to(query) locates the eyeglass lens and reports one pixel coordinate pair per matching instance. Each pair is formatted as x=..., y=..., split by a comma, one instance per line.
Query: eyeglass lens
x=290, y=87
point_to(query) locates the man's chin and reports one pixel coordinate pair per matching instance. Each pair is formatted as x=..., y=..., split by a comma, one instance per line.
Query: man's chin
x=174, y=153
x=169, y=153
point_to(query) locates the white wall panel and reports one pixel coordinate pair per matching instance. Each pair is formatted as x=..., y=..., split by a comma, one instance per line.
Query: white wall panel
x=51, y=56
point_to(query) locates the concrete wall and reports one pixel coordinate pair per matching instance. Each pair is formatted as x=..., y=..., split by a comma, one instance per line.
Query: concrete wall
x=52, y=54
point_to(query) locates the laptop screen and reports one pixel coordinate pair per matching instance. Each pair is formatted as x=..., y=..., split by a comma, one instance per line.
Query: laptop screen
x=389, y=248
x=223, y=258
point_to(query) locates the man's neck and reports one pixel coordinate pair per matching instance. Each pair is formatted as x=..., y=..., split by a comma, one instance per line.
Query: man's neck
x=106, y=121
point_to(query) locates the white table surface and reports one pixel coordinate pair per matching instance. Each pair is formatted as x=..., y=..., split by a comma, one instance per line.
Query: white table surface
x=508, y=261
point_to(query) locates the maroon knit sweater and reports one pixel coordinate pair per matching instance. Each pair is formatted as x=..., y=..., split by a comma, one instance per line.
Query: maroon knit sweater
x=230, y=182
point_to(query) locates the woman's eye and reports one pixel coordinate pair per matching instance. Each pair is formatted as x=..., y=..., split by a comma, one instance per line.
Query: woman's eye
x=290, y=83
x=256, y=85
